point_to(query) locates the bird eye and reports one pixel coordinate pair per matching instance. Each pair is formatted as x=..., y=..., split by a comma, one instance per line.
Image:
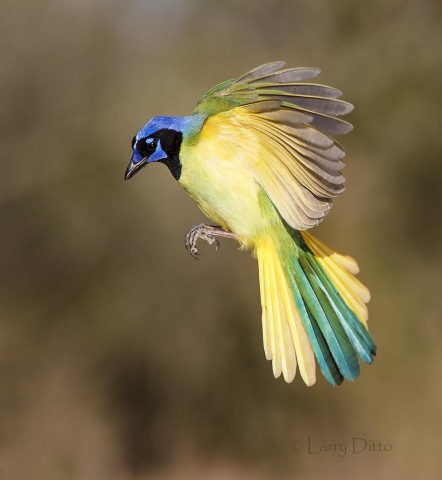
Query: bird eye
x=146, y=146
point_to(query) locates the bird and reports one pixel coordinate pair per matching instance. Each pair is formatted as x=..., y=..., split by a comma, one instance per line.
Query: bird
x=259, y=157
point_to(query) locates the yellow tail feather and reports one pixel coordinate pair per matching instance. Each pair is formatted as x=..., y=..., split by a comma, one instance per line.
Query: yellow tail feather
x=285, y=339
x=341, y=270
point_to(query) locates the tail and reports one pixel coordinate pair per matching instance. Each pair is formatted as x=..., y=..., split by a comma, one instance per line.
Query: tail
x=312, y=306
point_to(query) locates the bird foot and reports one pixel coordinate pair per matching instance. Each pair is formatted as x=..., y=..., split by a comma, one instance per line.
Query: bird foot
x=207, y=233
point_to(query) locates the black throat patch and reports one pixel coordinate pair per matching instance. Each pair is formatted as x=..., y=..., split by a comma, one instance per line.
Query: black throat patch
x=171, y=144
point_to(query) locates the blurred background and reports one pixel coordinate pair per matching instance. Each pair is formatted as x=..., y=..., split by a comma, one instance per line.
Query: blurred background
x=123, y=358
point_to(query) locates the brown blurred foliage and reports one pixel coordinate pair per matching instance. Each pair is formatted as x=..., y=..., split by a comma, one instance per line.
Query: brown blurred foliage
x=120, y=356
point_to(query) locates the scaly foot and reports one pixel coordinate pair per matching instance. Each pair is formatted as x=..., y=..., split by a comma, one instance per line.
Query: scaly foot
x=207, y=233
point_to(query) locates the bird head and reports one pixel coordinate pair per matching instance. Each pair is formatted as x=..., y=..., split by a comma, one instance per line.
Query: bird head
x=160, y=141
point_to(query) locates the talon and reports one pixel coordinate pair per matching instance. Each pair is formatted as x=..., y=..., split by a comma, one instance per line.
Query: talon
x=206, y=233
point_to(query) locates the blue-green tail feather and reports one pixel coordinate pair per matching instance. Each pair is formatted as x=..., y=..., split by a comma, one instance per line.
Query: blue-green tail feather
x=357, y=333
x=335, y=333
x=319, y=345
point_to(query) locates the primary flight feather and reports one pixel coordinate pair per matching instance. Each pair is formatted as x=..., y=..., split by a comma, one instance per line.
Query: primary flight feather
x=259, y=157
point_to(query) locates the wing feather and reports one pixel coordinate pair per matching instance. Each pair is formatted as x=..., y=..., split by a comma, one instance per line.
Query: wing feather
x=288, y=75
x=330, y=178
x=323, y=183
x=320, y=104
x=260, y=71
x=313, y=89
x=296, y=161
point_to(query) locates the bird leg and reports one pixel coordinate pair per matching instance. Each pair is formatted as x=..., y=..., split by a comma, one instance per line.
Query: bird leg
x=207, y=233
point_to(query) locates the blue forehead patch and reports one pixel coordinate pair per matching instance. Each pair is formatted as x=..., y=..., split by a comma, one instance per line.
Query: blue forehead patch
x=181, y=124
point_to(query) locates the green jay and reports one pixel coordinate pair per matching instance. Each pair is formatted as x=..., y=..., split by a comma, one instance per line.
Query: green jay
x=258, y=156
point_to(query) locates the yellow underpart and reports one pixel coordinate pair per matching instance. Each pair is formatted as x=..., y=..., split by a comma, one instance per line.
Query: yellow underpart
x=341, y=270
x=285, y=339
x=216, y=173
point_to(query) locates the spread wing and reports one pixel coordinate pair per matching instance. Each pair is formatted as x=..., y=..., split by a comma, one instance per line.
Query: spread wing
x=298, y=163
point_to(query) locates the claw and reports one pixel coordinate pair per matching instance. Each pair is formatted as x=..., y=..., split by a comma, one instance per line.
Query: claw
x=199, y=231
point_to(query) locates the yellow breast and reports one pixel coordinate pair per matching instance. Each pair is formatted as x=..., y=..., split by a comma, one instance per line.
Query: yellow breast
x=215, y=174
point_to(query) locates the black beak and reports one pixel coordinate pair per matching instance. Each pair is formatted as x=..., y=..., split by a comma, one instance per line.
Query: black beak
x=133, y=168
